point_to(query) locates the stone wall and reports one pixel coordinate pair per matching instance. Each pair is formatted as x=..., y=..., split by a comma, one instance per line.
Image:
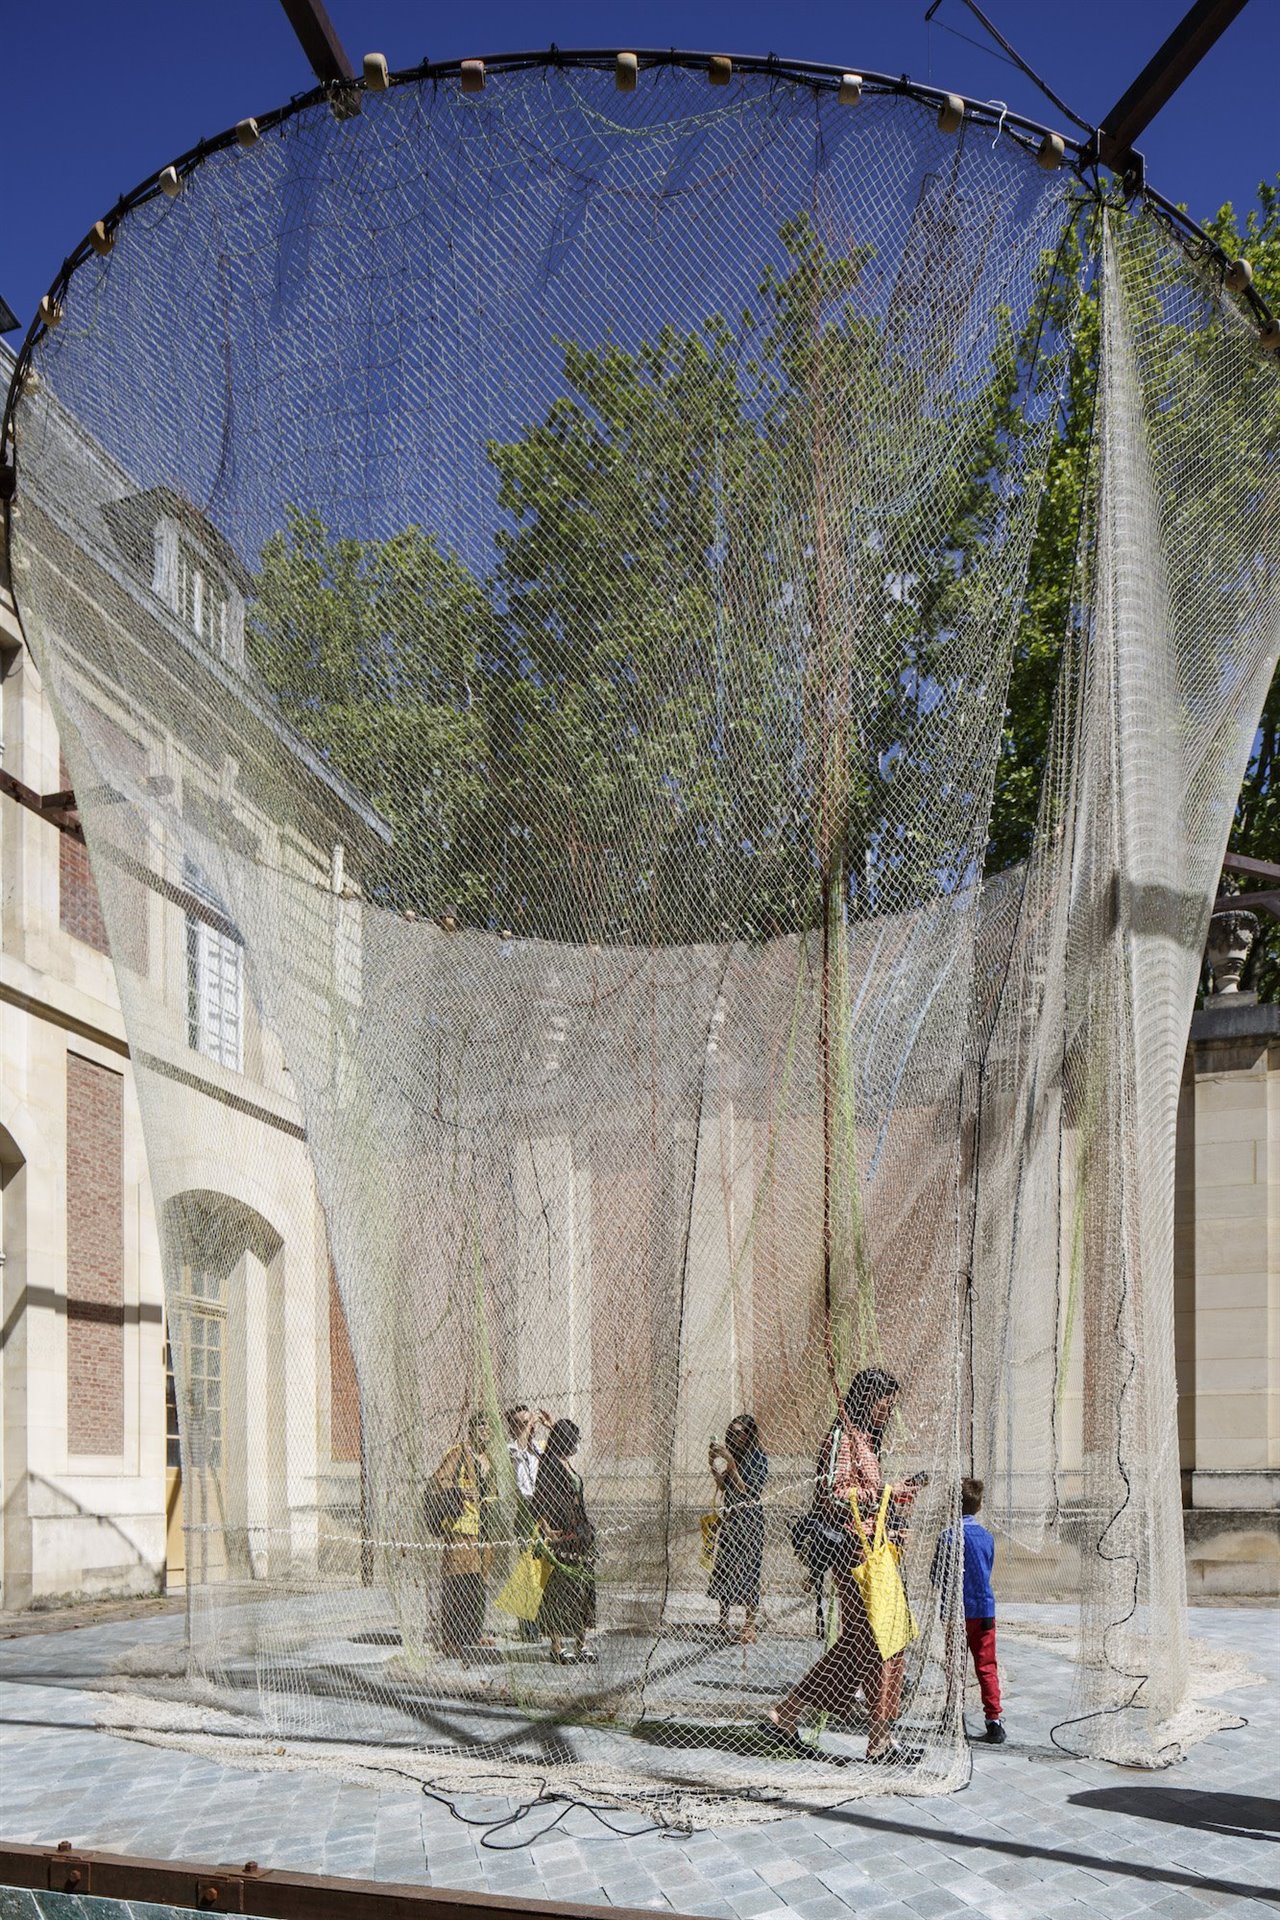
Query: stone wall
x=1227, y=1282
x=85, y=1484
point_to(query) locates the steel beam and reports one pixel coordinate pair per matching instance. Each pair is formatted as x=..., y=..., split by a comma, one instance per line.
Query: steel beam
x=271, y=1894
x=318, y=39
x=1267, y=900
x=1246, y=863
x=1160, y=79
x=59, y=809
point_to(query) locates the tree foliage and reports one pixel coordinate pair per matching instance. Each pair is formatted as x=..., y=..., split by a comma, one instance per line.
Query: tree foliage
x=1052, y=579
x=375, y=651
x=1256, y=829
x=709, y=668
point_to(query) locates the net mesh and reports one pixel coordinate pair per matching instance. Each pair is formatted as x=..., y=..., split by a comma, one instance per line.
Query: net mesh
x=528, y=582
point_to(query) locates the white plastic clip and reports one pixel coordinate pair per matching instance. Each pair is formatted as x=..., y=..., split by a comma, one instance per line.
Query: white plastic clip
x=170, y=183
x=1052, y=152
x=101, y=238
x=375, y=72
x=472, y=76
x=1239, y=276
x=247, y=133
x=720, y=70
x=1269, y=338
x=51, y=311
x=626, y=69
x=850, y=93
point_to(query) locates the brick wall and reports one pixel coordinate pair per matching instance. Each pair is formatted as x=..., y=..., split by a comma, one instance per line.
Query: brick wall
x=79, y=908
x=624, y=1364
x=95, y=1259
x=79, y=905
x=344, y=1393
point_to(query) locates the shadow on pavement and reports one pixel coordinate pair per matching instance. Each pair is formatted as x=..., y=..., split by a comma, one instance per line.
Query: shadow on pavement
x=1242, y=1816
x=949, y=1840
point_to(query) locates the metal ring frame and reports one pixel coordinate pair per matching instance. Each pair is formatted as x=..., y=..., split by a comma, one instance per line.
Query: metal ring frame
x=1080, y=155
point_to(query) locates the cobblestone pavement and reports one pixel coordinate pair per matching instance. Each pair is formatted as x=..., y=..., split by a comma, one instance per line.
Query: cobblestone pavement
x=1035, y=1834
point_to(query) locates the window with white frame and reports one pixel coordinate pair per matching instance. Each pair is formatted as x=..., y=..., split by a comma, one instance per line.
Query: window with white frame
x=215, y=983
x=199, y=592
x=202, y=1313
x=203, y=601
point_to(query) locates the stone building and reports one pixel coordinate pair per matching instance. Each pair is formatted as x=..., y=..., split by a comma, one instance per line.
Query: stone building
x=92, y=1484
x=1227, y=1281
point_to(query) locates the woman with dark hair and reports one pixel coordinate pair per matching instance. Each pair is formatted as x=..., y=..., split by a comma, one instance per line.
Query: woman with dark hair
x=739, y=1468
x=849, y=1465
x=559, y=1513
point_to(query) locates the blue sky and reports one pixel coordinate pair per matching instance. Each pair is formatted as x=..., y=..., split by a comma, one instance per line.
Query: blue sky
x=107, y=93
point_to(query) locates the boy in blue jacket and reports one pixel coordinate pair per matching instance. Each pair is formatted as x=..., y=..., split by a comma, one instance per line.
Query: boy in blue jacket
x=979, y=1603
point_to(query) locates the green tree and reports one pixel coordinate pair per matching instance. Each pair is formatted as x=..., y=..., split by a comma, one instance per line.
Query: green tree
x=1052, y=577
x=1051, y=582
x=626, y=745
x=724, y=660
x=374, y=650
x=716, y=672
x=1256, y=829
x=739, y=593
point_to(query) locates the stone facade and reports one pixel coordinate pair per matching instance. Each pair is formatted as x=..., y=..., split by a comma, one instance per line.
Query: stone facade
x=83, y=1488
x=91, y=1491
x=95, y=1259
x=1228, y=1295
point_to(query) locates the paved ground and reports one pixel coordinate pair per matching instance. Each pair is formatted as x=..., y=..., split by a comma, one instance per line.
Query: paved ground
x=1033, y=1835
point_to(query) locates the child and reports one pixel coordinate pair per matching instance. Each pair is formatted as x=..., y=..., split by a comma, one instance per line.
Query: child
x=979, y=1604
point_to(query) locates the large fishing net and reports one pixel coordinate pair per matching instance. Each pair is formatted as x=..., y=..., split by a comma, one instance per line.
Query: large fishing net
x=529, y=578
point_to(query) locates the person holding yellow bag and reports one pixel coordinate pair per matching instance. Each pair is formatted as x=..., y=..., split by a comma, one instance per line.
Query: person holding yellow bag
x=465, y=1493
x=875, y=1620
x=525, y=1454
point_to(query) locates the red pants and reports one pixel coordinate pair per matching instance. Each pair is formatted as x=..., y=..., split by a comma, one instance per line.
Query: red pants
x=981, y=1635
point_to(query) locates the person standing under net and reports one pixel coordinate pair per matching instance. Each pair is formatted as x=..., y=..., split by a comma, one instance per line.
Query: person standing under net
x=525, y=1455
x=849, y=1465
x=464, y=1481
x=740, y=1469
x=977, y=1559
x=559, y=1512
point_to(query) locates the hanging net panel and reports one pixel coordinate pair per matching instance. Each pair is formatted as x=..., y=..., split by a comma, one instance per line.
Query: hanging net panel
x=529, y=575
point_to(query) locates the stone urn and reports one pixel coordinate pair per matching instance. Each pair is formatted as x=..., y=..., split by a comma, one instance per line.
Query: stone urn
x=1231, y=937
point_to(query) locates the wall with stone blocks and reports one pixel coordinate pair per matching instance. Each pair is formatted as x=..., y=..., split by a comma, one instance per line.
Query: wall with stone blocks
x=1227, y=1296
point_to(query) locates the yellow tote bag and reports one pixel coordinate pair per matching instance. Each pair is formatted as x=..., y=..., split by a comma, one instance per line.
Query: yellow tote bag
x=880, y=1583
x=710, y=1529
x=526, y=1584
x=466, y=1524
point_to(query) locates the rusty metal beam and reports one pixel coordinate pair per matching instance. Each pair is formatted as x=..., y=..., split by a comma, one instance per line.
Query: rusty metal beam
x=1267, y=900
x=270, y=1894
x=1160, y=79
x=59, y=809
x=318, y=38
x=1246, y=863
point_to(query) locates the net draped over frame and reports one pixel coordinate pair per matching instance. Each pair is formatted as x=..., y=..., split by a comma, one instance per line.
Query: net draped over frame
x=528, y=583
